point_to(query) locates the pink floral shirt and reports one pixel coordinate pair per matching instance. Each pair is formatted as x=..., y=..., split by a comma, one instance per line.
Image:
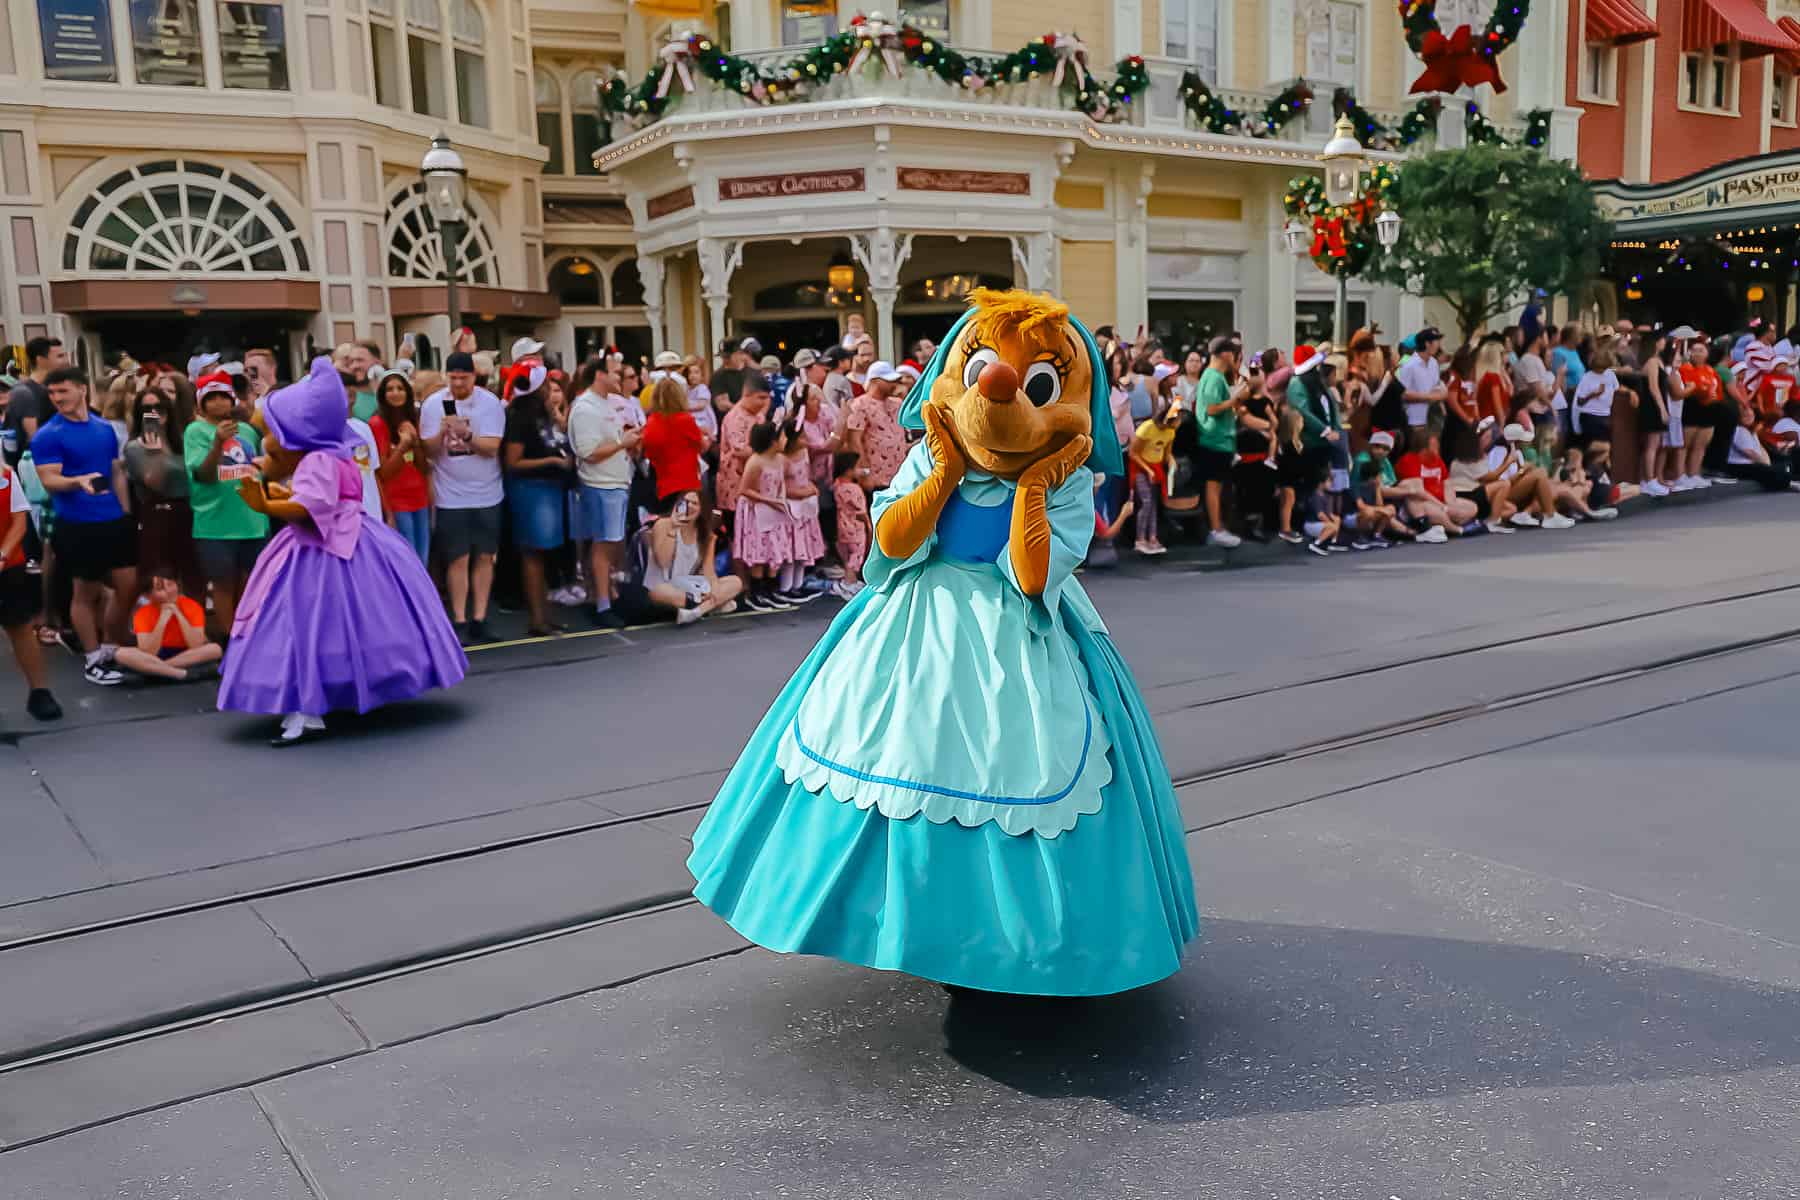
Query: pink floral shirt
x=883, y=441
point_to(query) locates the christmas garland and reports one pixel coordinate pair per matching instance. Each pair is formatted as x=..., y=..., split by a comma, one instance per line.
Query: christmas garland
x=1215, y=116
x=1460, y=59
x=1419, y=122
x=1483, y=132
x=875, y=45
x=1344, y=237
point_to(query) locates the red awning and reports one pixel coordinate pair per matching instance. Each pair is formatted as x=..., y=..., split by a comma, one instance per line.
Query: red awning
x=1708, y=23
x=1618, y=23
x=1789, y=60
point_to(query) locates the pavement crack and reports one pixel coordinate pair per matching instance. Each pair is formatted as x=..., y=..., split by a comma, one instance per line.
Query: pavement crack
x=276, y=934
x=43, y=782
x=287, y=1146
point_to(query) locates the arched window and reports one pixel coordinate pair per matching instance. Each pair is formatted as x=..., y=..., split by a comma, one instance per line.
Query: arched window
x=182, y=217
x=548, y=98
x=415, y=251
x=576, y=282
x=627, y=284
x=584, y=119
x=429, y=55
x=467, y=34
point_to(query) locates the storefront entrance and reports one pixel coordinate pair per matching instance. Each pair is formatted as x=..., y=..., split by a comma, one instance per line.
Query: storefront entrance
x=158, y=337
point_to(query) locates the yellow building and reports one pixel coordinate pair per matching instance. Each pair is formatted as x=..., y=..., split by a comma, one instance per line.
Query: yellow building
x=245, y=172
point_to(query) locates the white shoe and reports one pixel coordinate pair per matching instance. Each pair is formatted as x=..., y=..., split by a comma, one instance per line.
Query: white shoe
x=688, y=616
x=1653, y=487
x=1223, y=537
x=1558, y=521
x=1434, y=536
x=1524, y=520
x=1608, y=513
x=1497, y=527
x=1681, y=484
x=1701, y=481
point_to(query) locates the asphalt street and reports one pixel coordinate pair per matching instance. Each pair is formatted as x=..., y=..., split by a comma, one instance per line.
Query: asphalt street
x=1494, y=842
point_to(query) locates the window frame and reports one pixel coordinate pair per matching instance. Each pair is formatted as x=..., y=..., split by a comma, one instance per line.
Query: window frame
x=447, y=42
x=1781, y=84
x=1608, y=91
x=1703, y=66
x=1207, y=70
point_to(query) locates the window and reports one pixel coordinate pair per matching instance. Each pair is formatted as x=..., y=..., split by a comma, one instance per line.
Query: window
x=576, y=283
x=78, y=41
x=252, y=46
x=384, y=54
x=181, y=216
x=932, y=17
x=1190, y=322
x=416, y=251
x=627, y=284
x=1599, y=72
x=1781, y=99
x=467, y=32
x=1191, y=34
x=549, y=118
x=1709, y=80
x=584, y=121
x=1333, y=42
x=806, y=21
x=165, y=43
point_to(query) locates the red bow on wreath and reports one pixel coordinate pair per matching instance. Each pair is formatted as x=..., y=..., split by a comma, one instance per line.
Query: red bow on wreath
x=1453, y=62
x=1328, y=238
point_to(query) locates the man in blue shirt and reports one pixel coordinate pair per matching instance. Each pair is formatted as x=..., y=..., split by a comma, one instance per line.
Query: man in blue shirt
x=81, y=464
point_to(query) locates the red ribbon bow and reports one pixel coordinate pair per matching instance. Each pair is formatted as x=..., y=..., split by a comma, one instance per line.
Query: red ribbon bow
x=1453, y=62
x=1328, y=238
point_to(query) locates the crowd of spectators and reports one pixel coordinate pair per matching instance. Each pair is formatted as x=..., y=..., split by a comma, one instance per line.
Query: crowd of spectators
x=682, y=488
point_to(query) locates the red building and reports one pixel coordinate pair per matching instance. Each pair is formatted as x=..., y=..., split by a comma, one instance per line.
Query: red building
x=1689, y=117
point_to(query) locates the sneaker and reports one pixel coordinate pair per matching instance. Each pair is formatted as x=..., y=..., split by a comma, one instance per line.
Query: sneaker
x=1497, y=527
x=1155, y=548
x=1606, y=514
x=1434, y=536
x=1380, y=543
x=102, y=675
x=688, y=616
x=1291, y=538
x=1653, y=487
x=1315, y=548
x=42, y=705
x=1558, y=521
x=605, y=618
x=1223, y=537
x=797, y=598
x=830, y=571
x=1142, y=547
x=479, y=632
x=1701, y=481
x=1524, y=520
x=756, y=604
x=1337, y=548
x=1360, y=544
x=1473, y=527
x=1682, y=484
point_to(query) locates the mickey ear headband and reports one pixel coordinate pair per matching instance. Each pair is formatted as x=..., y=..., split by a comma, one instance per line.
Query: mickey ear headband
x=1106, y=458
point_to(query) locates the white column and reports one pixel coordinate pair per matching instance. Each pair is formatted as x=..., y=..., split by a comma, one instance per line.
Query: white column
x=652, y=269
x=1131, y=237
x=882, y=253
x=718, y=259
x=1268, y=317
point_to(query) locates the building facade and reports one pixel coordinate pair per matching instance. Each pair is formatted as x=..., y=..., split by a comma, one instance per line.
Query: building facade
x=183, y=173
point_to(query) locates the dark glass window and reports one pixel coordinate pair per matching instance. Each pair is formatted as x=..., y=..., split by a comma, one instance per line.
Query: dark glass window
x=165, y=42
x=77, y=36
x=252, y=46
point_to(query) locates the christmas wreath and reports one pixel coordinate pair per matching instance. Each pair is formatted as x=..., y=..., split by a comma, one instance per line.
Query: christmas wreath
x=1483, y=132
x=874, y=45
x=1419, y=122
x=1215, y=116
x=1344, y=238
x=1460, y=59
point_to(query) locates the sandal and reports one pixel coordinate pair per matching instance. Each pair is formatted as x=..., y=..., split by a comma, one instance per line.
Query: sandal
x=47, y=636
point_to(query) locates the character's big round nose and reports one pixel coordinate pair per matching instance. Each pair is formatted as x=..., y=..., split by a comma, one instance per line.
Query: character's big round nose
x=998, y=383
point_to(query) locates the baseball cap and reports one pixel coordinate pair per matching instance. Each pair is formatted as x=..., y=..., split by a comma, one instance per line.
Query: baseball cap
x=883, y=371
x=1221, y=344
x=1684, y=333
x=770, y=363
x=668, y=360
x=217, y=381
x=751, y=346
x=1162, y=371
x=1382, y=437
x=201, y=363
x=232, y=368
x=1516, y=433
x=525, y=347
x=1430, y=333
x=462, y=360
x=837, y=354
x=805, y=358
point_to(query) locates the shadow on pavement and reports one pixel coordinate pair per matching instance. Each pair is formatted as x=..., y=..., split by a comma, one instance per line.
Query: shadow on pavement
x=1280, y=1018
x=393, y=720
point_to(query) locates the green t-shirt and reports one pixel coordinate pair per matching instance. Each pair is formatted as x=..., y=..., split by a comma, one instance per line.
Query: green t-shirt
x=1724, y=373
x=219, y=512
x=363, y=406
x=1216, y=432
x=1388, y=478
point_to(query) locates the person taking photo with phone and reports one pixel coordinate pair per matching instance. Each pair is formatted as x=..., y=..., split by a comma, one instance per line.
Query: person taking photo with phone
x=228, y=534
x=79, y=461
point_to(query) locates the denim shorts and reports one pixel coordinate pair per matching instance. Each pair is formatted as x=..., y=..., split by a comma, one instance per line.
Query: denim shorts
x=537, y=512
x=604, y=511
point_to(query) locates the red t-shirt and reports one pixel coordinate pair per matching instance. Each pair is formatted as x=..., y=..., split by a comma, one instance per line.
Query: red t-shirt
x=12, y=500
x=672, y=442
x=1492, y=397
x=1426, y=467
x=1703, y=383
x=406, y=490
x=147, y=615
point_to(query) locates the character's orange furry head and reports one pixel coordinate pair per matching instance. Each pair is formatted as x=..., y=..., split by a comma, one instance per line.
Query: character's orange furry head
x=1017, y=381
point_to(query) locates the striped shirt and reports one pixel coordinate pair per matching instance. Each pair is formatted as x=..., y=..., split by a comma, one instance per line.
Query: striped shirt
x=1759, y=361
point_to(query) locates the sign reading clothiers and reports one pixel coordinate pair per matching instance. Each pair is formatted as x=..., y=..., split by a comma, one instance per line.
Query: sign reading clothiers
x=794, y=183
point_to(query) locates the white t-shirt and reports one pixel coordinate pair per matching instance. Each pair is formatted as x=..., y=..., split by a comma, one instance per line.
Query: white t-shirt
x=1743, y=446
x=1498, y=455
x=366, y=459
x=1594, y=394
x=461, y=477
x=1418, y=374
x=1531, y=370
x=592, y=421
x=628, y=410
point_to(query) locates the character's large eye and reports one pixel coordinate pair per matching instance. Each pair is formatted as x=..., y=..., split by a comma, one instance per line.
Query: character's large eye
x=978, y=360
x=1043, y=384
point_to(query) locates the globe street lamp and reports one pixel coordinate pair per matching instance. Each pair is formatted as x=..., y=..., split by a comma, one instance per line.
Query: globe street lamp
x=1344, y=159
x=446, y=187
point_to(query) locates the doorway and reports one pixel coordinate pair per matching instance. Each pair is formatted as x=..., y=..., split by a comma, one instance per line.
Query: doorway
x=150, y=337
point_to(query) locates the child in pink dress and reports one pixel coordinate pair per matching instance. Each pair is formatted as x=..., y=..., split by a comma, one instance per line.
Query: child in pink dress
x=848, y=474
x=803, y=508
x=764, y=530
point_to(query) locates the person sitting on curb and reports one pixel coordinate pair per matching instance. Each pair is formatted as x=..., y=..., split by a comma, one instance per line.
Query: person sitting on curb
x=171, y=635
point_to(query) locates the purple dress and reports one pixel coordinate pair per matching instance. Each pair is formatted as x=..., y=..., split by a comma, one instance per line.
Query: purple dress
x=339, y=615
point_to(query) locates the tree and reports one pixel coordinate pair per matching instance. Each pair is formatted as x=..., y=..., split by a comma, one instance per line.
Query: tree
x=1483, y=224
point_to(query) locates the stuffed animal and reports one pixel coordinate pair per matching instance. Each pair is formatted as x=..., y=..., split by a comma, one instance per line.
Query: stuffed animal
x=961, y=781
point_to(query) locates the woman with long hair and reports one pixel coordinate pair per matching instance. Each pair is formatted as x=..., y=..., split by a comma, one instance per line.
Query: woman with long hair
x=679, y=571
x=673, y=441
x=403, y=467
x=1460, y=413
x=1653, y=411
x=1493, y=384
x=159, y=484
x=538, y=466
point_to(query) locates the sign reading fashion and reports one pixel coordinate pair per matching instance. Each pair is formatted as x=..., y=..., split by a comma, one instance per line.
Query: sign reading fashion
x=669, y=202
x=795, y=183
x=992, y=183
x=1774, y=185
x=77, y=36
